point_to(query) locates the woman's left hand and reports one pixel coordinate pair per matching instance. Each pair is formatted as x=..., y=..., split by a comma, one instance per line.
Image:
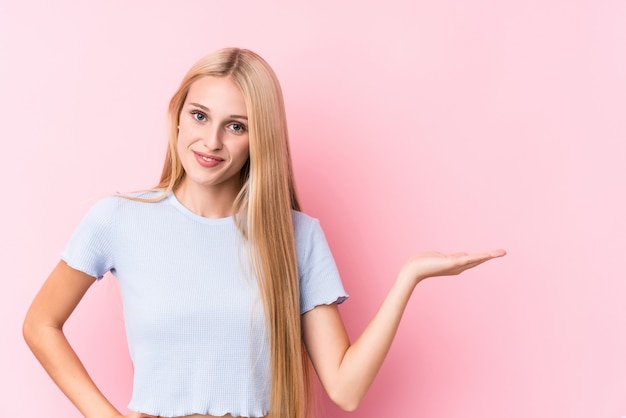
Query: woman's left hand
x=432, y=264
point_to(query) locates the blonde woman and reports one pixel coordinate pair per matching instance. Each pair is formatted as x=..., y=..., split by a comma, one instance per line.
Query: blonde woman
x=228, y=289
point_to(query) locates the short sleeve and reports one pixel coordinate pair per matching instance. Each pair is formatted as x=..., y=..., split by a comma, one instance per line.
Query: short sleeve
x=90, y=247
x=320, y=283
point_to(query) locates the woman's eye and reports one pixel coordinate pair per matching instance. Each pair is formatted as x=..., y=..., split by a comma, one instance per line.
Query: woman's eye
x=238, y=127
x=199, y=116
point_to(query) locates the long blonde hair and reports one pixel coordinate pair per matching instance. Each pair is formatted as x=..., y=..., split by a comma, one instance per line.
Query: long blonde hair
x=263, y=212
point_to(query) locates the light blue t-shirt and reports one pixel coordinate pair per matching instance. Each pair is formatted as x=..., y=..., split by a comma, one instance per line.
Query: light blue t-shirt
x=194, y=318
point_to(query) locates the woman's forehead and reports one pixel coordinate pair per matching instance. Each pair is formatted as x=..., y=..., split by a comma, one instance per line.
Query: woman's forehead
x=217, y=93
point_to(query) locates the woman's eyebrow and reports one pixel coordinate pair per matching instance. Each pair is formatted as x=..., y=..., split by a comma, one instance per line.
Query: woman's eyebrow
x=206, y=109
x=200, y=106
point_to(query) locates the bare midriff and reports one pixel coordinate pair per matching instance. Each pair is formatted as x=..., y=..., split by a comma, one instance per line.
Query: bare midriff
x=206, y=416
x=198, y=416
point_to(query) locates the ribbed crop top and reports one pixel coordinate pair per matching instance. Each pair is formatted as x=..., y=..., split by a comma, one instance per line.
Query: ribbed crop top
x=194, y=318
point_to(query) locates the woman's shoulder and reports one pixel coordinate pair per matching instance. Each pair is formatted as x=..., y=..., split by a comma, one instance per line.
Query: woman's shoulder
x=307, y=229
x=303, y=221
x=149, y=196
x=127, y=201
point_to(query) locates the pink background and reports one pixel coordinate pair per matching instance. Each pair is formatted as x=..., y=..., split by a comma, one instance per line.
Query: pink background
x=416, y=125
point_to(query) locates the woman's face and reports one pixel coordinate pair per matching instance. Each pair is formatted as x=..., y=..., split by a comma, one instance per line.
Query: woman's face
x=213, y=133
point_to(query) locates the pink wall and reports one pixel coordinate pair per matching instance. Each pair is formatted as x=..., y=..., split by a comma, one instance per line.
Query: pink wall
x=448, y=125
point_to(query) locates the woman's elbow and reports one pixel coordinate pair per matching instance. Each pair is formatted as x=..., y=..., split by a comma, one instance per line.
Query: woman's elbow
x=347, y=402
x=33, y=330
x=29, y=330
x=349, y=407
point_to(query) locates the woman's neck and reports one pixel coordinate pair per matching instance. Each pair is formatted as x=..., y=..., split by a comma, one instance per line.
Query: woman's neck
x=208, y=202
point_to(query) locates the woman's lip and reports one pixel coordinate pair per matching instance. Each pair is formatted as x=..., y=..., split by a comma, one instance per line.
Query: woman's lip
x=207, y=160
x=211, y=156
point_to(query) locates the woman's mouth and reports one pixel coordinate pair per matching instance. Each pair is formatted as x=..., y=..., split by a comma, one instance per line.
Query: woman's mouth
x=207, y=160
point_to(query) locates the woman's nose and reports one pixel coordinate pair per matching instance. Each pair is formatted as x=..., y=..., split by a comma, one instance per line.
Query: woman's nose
x=213, y=138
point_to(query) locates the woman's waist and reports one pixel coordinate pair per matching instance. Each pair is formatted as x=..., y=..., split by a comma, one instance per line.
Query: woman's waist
x=205, y=416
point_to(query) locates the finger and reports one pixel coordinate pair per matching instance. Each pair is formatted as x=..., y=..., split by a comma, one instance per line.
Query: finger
x=498, y=253
x=464, y=260
x=474, y=263
x=485, y=256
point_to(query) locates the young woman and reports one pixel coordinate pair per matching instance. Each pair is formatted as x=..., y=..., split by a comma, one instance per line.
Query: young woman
x=228, y=289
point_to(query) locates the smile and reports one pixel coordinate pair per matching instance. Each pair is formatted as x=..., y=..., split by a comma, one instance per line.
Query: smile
x=207, y=160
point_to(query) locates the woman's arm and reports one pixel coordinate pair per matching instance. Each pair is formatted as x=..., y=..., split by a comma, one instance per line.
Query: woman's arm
x=347, y=370
x=43, y=332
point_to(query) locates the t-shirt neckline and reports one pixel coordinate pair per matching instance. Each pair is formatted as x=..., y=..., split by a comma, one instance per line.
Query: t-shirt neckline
x=171, y=198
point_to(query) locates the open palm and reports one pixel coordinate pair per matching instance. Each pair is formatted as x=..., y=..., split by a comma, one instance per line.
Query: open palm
x=431, y=264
